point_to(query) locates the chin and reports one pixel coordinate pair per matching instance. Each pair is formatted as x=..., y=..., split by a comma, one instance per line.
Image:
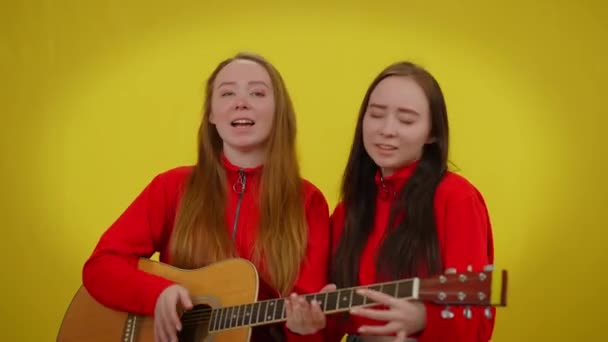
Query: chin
x=391, y=164
x=382, y=161
x=245, y=144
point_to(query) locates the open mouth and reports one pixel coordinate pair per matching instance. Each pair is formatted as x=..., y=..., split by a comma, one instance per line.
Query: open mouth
x=242, y=122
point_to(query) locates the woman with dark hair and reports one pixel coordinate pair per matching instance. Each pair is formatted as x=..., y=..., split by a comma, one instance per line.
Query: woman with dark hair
x=404, y=214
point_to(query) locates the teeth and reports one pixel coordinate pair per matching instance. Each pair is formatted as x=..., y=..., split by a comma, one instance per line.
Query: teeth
x=242, y=122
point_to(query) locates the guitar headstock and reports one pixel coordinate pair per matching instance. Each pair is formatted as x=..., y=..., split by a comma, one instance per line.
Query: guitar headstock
x=487, y=287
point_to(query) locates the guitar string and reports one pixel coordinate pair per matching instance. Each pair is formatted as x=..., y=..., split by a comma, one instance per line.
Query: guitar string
x=205, y=312
x=202, y=315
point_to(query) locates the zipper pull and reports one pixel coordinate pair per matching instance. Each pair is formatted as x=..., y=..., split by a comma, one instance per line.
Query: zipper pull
x=387, y=192
x=239, y=186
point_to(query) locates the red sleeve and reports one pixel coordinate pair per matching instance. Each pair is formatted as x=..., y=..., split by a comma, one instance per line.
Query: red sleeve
x=467, y=240
x=313, y=273
x=110, y=274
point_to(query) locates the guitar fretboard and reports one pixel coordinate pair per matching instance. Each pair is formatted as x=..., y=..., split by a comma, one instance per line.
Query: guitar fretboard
x=273, y=311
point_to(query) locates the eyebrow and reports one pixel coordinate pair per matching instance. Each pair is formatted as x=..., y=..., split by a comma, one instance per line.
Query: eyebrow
x=250, y=83
x=399, y=109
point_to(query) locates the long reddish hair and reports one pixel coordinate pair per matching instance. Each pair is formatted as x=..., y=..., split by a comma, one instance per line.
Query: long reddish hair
x=200, y=236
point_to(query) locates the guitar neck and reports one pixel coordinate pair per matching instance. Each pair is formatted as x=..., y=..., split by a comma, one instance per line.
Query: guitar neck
x=273, y=311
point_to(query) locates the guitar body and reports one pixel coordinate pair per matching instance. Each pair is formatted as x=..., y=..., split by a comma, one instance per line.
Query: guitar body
x=226, y=283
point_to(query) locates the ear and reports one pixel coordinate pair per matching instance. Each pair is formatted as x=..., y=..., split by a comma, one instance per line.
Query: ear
x=212, y=118
x=431, y=140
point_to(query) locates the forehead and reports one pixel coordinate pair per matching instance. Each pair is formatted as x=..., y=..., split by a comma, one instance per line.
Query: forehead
x=242, y=70
x=399, y=91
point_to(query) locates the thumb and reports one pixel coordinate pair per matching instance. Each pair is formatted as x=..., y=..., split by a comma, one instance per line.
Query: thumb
x=185, y=299
x=328, y=287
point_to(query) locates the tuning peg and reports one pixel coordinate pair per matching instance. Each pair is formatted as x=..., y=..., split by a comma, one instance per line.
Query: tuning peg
x=468, y=313
x=470, y=268
x=450, y=271
x=488, y=268
x=446, y=313
x=488, y=313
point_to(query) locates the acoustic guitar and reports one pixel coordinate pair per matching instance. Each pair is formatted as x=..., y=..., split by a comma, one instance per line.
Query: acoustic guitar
x=225, y=308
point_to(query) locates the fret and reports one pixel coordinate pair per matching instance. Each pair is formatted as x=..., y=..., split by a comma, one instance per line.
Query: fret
x=226, y=317
x=241, y=315
x=272, y=307
x=251, y=313
x=358, y=299
x=322, y=299
x=404, y=289
x=344, y=298
x=309, y=297
x=218, y=318
x=262, y=313
x=331, y=301
x=390, y=289
x=377, y=288
x=279, y=312
x=248, y=314
x=212, y=319
x=255, y=312
x=244, y=315
x=234, y=315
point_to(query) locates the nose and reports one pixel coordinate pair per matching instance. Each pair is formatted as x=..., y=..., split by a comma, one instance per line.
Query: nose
x=241, y=103
x=388, y=127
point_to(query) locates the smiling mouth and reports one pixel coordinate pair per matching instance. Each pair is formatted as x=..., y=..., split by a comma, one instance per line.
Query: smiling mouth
x=242, y=122
x=386, y=147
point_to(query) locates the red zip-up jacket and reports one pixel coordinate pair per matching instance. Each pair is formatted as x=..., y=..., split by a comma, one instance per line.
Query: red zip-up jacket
x=465, y=238
x=111, y=275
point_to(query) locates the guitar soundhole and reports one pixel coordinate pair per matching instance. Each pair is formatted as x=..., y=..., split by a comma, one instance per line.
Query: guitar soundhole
x=195, y=324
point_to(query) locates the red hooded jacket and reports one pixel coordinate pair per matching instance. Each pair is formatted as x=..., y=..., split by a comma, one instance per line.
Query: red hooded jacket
x=465, y=238
x=111, y=275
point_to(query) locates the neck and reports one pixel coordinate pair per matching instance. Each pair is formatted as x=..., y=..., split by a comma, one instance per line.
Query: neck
x=249, y=158
x=389, y=171
x=273, y=310
x=386, y=171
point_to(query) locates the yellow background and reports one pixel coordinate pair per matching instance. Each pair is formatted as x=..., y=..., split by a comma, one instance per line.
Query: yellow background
x=99, y=96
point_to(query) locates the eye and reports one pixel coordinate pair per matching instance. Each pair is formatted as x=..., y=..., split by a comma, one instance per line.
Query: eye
x=226, y=93
x=406, y=122
x=407, y=119
x=258, y=93
x=375, y=115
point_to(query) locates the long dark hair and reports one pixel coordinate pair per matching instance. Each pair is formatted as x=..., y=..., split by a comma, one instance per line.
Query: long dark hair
x=412, y=245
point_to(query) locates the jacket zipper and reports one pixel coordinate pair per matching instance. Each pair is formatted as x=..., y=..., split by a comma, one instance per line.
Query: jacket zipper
x=387, y=191
x=239, y=188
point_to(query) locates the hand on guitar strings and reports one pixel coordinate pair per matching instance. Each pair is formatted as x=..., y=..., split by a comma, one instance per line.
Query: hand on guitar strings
x=403, y=317
x=166, y=319
x=305, y=318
